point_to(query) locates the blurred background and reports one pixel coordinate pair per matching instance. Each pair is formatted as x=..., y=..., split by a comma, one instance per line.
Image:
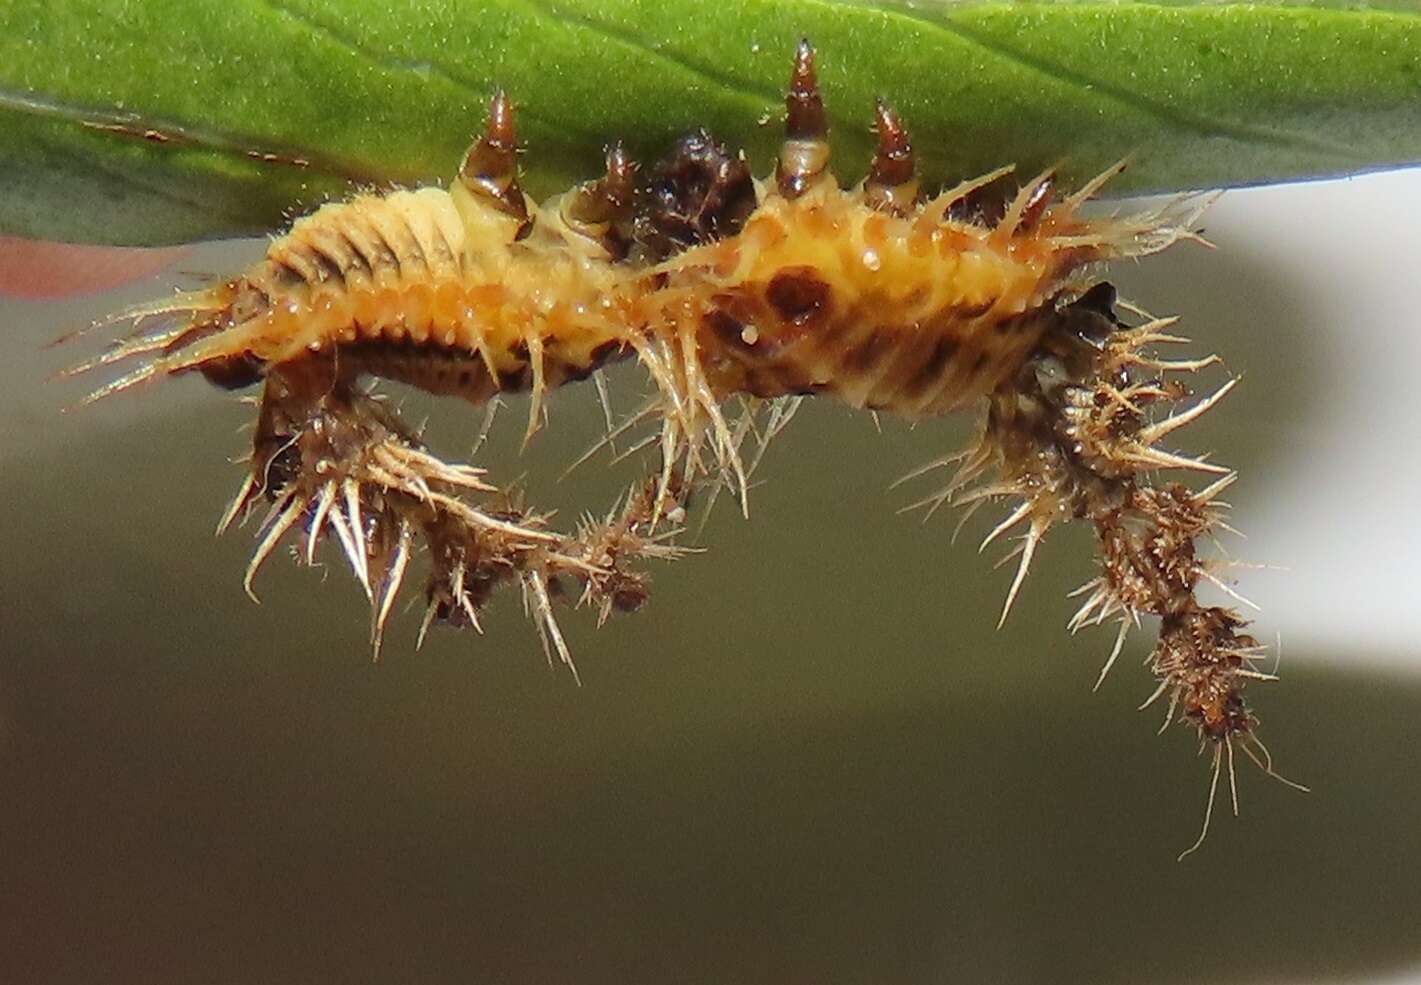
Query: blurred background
x=811, y=757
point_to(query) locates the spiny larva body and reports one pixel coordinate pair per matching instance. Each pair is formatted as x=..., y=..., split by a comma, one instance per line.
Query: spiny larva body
x=733, y=293
x=895, y=305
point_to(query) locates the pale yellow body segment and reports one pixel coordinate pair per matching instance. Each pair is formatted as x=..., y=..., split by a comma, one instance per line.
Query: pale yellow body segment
x=414, y=271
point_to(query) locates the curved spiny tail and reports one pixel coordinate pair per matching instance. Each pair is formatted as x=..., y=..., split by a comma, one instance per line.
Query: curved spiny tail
x=1077, y=435
x=336, y=464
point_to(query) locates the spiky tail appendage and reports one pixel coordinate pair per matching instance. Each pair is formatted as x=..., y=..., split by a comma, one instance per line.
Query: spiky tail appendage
x=1076, y=436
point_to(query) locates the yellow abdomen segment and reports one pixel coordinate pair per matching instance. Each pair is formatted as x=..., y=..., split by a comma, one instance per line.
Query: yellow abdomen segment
x=823, y=294
x=401, y=272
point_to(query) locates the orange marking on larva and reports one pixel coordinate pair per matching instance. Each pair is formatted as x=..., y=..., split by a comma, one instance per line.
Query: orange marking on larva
x=377, y=308
x=446, y=307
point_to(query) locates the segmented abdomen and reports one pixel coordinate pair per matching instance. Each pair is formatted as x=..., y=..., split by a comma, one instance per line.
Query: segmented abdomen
x=823, y=295
x=393, y=283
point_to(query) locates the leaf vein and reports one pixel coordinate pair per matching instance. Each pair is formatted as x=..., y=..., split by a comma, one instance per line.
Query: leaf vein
x=1093, y=86
x=132, y=123
x=758, y=96
x=162, y=190
x=385, y=60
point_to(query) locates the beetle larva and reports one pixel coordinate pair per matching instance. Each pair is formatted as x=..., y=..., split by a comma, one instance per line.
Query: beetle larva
x=726, y=289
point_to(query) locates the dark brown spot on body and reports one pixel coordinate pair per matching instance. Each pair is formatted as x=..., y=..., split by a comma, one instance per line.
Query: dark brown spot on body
x=967, y=312
x=629, y=598
x=516, y=379
x=285, y=275
x=864, y=357
x=1100, y=299
x=602, y=210
x=328, y=268
x=982, y=207
x=607, y=352
x=234, y=372
x=1017, y=323
x=238, y=370
x=728, y=330
x=944, y=350
x=358, y=260
x=799, y=297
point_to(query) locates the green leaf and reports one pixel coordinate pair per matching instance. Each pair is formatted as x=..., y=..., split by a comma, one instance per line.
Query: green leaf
x=153, y=121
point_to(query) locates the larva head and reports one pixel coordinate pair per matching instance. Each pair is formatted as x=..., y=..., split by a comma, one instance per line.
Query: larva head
x=804, y=158
x=697, y=194
x=486, y=191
